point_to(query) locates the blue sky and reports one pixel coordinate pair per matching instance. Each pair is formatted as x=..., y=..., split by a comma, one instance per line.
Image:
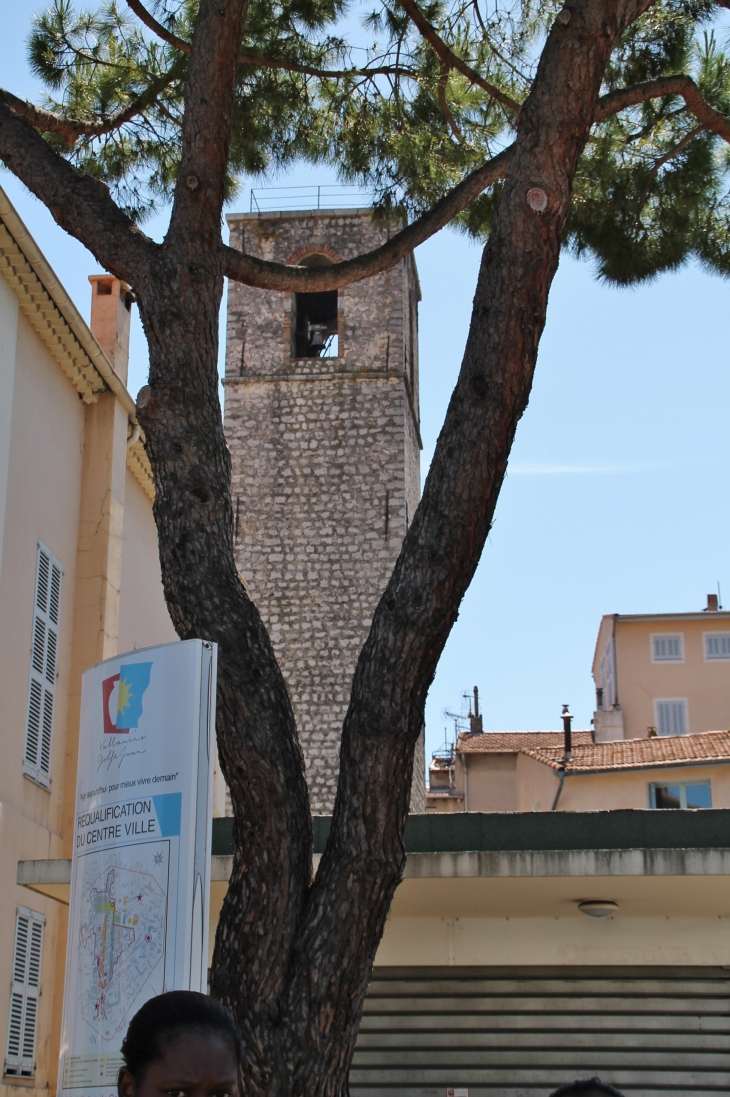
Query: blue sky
x=617, y=492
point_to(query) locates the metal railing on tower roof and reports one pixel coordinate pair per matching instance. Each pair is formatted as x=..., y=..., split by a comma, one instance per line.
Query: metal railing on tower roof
x=329, y=196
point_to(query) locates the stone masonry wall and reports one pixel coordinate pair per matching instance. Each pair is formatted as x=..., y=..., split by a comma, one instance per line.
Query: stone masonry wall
x=325, y=467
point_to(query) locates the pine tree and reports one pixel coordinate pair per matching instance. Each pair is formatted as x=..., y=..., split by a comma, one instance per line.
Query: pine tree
x=600, y=125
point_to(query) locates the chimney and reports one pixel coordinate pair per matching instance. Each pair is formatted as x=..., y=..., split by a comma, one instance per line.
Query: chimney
x=111, y=308
x=712, y=603
x=567, y=722
x=475, y=719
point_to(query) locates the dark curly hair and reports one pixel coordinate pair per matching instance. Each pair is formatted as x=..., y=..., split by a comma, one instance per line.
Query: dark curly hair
x=160, y=1020
x=589, y=1087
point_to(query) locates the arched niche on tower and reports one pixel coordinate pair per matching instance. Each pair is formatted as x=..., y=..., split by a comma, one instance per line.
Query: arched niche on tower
x=314, y=316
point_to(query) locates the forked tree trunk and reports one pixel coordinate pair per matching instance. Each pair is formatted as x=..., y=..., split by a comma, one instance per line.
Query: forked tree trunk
x=293, y=961
x=293, y=955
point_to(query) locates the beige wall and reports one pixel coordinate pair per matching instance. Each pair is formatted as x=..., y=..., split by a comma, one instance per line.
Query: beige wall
x=544, y=941
x=538, y=784
x=64, y=481
x=705, y=684
x=490, y=782
x=17, y=833
x=536, y=941
x=143, y=616
x=534, y=920
x=444, y=805
x=8, y=340
x=42, y=502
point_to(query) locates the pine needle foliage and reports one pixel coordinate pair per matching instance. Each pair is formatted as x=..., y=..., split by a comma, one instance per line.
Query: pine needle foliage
x=652, y=190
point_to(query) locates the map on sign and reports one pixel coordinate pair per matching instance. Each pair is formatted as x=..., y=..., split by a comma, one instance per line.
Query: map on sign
x=121, y=936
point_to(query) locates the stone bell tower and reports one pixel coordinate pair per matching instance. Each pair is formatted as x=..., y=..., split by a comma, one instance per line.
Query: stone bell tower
x=321, y=417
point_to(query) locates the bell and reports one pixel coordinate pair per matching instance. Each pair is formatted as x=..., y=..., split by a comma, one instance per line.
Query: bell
x=317, y=337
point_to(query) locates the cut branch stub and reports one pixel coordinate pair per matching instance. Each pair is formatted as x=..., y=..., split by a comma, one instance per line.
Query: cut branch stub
x=537, y=199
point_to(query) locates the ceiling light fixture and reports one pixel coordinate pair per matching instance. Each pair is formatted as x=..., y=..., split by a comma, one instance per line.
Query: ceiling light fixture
x=598, y=908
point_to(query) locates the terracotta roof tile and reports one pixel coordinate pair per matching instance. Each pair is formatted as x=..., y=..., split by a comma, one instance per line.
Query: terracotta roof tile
x=512, y=742
x=707, y=746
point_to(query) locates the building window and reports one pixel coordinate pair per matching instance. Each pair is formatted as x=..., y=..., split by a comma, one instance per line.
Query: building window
x=314, y=319
x=717, y=645
x=608, y=678
x=667, y=648
x=671, y=716
x=43, y=668
x=24, y=994
x=690, y=797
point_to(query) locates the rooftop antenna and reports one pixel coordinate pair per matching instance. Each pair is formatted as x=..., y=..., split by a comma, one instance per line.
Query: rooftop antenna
x=472, y=719
x=719, y=596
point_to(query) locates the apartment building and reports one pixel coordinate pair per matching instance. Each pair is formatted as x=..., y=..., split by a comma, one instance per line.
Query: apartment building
x=667, y=673
x=79, y=582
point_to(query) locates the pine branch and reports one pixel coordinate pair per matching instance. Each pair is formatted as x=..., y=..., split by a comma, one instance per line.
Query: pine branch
x=266, y=62
x=70, y=129
x=324, y=74
x=449, y=58
x=157, y=28
x=679, y=147
x=444, y=106
x=498, y=53
x=277, y=276
x=681, y=85
x=78, y=203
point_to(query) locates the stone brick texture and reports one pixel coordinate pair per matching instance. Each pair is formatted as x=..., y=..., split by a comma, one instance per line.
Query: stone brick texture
x=325, y=466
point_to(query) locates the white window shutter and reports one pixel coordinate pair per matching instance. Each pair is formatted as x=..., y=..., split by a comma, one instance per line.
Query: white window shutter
x=668, y=648
x=43, y=668
x=24, y=994
x=672, y=716
x=717, y=645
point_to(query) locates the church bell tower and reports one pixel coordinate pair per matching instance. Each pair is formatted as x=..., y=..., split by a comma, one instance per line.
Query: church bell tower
x=322, y=422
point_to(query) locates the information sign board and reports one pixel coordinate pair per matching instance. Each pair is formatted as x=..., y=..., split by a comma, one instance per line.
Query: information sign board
x=140, y=874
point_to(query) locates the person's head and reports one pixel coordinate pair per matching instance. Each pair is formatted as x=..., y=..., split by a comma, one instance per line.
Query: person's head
x=181, y=1044
x=591, y=1087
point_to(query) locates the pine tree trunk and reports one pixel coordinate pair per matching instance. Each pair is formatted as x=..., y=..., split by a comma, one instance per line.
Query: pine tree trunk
x=293, y=955
x=260, y=754
x=293, y=961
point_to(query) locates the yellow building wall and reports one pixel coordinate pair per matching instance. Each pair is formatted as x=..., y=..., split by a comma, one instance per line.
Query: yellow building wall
x=143, y=616
x=9, y=309
x=489, y=781
x=42, y=502
x=57, y=486
x=545, y=941
x=704, y=683
x=537, y=785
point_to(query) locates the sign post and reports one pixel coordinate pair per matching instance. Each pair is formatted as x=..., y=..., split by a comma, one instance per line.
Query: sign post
x=140, y=875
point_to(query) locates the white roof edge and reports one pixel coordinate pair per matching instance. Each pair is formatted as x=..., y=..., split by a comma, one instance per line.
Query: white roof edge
x=72, y=317
x=713, y=861
x=697, y=615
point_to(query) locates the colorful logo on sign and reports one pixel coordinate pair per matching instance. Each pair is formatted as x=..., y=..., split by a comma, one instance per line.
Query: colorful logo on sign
x=122, y=698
